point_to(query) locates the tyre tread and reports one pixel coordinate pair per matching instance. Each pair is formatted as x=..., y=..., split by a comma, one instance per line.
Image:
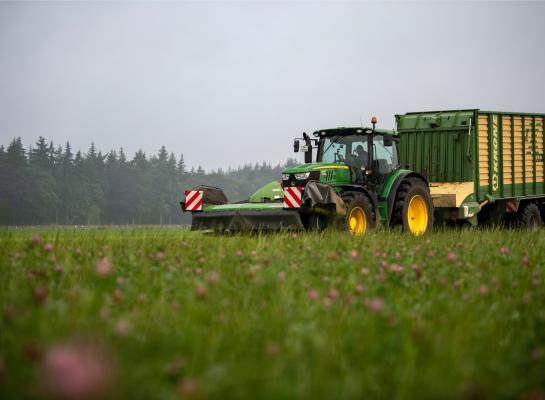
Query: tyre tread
x=529, y=211
x=401, y=197
x=349, y=198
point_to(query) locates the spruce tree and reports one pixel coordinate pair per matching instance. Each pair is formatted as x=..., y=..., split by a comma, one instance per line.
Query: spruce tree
x=180, y=167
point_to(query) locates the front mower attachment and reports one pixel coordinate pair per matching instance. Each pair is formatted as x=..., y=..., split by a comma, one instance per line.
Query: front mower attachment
x=246, y=217
x=271, y=208
x=263, y=211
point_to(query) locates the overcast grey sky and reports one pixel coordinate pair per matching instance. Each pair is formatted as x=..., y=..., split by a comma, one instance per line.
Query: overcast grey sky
x=233, y=82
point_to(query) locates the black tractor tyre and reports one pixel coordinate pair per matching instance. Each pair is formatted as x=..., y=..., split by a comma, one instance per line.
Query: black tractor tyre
x=529, y=217
x=360, y=215
x=408, y=190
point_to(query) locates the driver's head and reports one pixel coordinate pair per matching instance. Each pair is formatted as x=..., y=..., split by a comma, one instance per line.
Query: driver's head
x=359, y=150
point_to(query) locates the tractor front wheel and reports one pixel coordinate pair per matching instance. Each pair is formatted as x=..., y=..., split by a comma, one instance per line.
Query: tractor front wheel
x=360, y=216
x=413, y=207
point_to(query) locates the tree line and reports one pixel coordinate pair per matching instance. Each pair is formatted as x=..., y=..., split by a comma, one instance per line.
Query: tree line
x=46, y=184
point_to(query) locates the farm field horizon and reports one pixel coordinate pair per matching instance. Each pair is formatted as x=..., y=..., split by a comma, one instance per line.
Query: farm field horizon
x=155, y=312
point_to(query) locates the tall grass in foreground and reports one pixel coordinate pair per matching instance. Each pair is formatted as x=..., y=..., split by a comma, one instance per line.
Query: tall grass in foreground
x=153, y=313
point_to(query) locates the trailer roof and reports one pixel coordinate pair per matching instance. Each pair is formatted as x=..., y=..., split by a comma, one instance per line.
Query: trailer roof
x=472, y=110
x=447, y=119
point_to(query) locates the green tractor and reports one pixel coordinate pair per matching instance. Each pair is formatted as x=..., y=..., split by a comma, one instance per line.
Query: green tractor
x=351, y=179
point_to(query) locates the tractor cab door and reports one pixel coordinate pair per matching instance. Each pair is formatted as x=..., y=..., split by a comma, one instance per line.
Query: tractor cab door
x=357, y=157
x=385, y=159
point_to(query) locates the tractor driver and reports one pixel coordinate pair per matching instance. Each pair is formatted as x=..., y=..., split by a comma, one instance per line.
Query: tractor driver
x=361, y=157
x=360, y=162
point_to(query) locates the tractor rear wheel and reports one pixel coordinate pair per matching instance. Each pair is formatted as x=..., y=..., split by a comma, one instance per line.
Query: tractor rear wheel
x=529, y=217
x=360, y=216
x=413, y=207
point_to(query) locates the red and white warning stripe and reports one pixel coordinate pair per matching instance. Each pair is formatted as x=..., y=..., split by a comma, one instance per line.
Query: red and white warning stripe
x=293, y=196
x=193, y=200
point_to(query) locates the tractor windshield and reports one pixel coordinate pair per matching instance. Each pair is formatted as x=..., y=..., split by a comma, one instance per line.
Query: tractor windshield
x=352, y=150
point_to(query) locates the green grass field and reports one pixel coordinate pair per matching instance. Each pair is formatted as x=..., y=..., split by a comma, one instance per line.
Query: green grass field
x=167, y=313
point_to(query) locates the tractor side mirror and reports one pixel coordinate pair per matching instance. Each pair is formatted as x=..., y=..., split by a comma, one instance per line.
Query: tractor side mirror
x=296, y=146
x=387, y=140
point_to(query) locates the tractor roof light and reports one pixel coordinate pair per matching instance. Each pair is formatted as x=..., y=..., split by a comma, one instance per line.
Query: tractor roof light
x=373, y=120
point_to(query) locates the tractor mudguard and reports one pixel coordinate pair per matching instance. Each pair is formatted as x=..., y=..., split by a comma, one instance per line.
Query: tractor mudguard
x=393, y=189
x=372, y=197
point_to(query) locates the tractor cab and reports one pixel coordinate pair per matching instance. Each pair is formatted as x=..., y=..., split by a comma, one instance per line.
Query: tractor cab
x=349, y=148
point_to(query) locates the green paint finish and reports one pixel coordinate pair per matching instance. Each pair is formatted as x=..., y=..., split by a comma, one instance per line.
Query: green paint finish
x=473, y=221
x=494, y=156
x=389, y=183
x=443, y=146
x=383, y=195
x=517, y=188
x=524, y=155
x=336, y=176
x=534, y=151
x=475, y=156
x=330, y=173
x=244, y=207
x=473, y=209
x=296, y=169
x=270, y=191
x=472, y=206
x=437, y=144
x=444, y=120
x=383, y=211
x=469, y=199
x=512, y=190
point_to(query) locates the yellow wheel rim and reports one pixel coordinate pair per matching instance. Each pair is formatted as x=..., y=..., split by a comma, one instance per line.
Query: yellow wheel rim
x=357, y=221
x=417, y=215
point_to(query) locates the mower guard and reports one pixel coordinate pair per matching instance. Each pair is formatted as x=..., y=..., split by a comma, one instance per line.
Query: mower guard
x=247, y=217
x=265, y=210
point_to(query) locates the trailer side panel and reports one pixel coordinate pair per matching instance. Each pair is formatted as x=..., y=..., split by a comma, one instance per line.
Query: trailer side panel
x=510, y=155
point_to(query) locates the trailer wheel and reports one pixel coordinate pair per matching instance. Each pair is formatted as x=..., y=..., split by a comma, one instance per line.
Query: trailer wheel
x=413, y=207
x=529, y=217
x=360, y=216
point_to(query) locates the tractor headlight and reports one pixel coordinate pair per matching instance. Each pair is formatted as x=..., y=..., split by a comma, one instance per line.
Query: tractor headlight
x=285, y=177
x=302, y=176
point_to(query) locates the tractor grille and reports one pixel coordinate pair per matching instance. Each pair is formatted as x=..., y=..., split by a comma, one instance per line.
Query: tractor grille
x=292, y=181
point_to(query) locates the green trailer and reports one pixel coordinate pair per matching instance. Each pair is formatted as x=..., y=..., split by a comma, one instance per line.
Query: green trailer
x=482, y=166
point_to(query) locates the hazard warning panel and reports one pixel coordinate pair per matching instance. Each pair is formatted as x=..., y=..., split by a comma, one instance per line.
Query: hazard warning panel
x=293, y=196
x=193, y=200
